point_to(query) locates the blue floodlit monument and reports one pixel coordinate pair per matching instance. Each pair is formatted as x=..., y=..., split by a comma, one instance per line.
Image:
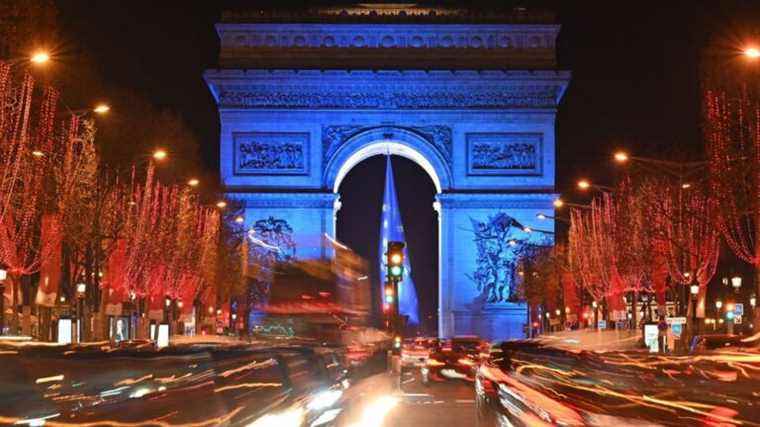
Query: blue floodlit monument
x=392, y=229
x=470, y=97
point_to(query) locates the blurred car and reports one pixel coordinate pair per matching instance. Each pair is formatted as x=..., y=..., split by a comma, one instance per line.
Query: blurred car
x=455, y=359
x=415, y=352
x=491, y=377
x=702, y=343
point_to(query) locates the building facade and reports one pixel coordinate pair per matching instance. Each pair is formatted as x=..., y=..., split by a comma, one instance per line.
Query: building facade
x=472, y=99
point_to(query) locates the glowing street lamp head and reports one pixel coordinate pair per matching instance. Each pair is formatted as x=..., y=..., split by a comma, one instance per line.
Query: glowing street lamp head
x=193, y=182
x=541, y=216
x=239, y=219
x=101, y=109
x=40, y=57
x=621, y=157
x=221, y=204
x=558, y=203
x=584, y=184
x=752, y=52
x=38, y=153
x=160, y=154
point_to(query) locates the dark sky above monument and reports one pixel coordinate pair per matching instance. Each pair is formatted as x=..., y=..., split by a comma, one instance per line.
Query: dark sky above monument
x=635, y=65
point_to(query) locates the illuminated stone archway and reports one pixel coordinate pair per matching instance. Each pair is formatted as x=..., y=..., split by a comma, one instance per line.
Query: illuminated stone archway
x=486, y=138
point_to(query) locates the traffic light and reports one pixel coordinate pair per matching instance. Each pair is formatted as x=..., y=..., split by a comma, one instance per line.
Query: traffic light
x=395, y=261
x=389, y=294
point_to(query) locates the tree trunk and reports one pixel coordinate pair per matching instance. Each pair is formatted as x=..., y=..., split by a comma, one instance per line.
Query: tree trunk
x=15, y=282
x=634, y=311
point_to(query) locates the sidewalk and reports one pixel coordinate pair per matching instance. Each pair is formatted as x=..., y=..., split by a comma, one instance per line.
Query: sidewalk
x=592, y=340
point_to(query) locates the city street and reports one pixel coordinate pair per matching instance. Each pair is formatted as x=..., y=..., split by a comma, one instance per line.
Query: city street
x=388, y=214
x=449, y=403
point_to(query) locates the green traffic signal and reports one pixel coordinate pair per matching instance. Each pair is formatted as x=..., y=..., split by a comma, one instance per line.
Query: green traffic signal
x=396, y=271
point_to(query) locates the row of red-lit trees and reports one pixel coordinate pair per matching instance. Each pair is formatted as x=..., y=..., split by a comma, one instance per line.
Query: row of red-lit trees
x=649, y=234
x=660, y=228
x=68, y=224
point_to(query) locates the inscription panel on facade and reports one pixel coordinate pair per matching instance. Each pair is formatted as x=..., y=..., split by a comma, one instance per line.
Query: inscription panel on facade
x=271, y=153
x=512, y=154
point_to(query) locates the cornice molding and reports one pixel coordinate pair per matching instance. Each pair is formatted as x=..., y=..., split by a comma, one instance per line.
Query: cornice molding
x=495, y=200
x=404, y=90
x=286, y=200
x=386, y=36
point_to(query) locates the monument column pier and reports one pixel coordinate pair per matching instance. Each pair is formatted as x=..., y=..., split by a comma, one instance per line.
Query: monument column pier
x=483, y=236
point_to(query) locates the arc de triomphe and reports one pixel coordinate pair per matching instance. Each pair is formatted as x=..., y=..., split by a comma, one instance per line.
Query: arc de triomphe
x=303, y=99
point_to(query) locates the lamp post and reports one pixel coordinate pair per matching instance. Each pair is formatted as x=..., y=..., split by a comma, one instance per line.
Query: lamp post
x=81, y=291
x=3, y=276
x=694, y=289
x=168, y=313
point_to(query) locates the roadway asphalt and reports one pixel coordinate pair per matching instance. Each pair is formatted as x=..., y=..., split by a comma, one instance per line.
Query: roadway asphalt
x=440, y=404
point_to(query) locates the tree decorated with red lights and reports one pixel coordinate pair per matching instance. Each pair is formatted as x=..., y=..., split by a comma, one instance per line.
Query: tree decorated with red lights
x=27, y=132
x=732, y=135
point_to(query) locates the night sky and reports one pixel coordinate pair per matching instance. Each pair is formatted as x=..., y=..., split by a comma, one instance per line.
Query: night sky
x=635, y=86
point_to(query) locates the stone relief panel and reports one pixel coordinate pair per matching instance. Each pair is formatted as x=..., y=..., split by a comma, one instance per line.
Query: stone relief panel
x=270, y=241
x=271, y=153
x=504, y=153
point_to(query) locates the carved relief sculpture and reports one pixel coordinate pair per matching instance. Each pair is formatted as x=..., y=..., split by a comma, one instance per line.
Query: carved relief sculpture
x=271, y=153
x=504, y=153
x=500, y=242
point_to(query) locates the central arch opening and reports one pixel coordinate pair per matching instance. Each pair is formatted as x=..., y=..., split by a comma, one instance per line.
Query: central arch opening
x=360, y=184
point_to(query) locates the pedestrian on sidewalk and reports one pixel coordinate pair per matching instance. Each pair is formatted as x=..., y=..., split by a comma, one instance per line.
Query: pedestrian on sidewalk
x=662, y=327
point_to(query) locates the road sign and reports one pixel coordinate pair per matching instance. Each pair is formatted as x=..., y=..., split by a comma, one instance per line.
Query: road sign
x=738, y=309
x=651, y=335
x=677, y=329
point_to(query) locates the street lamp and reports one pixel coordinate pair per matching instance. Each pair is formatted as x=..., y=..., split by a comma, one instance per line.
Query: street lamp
x=736, y=282
x=160, y=154
x=193, y=182
x=621, y=157
x=40, y=57
x=584, y=184
x=101, y=109
x=718, y=304
x=694, y=290
x=558, y=203
x=541, y=216
x=81, y=290
x=239, y=219
x=221, y=204
x=752, y=52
